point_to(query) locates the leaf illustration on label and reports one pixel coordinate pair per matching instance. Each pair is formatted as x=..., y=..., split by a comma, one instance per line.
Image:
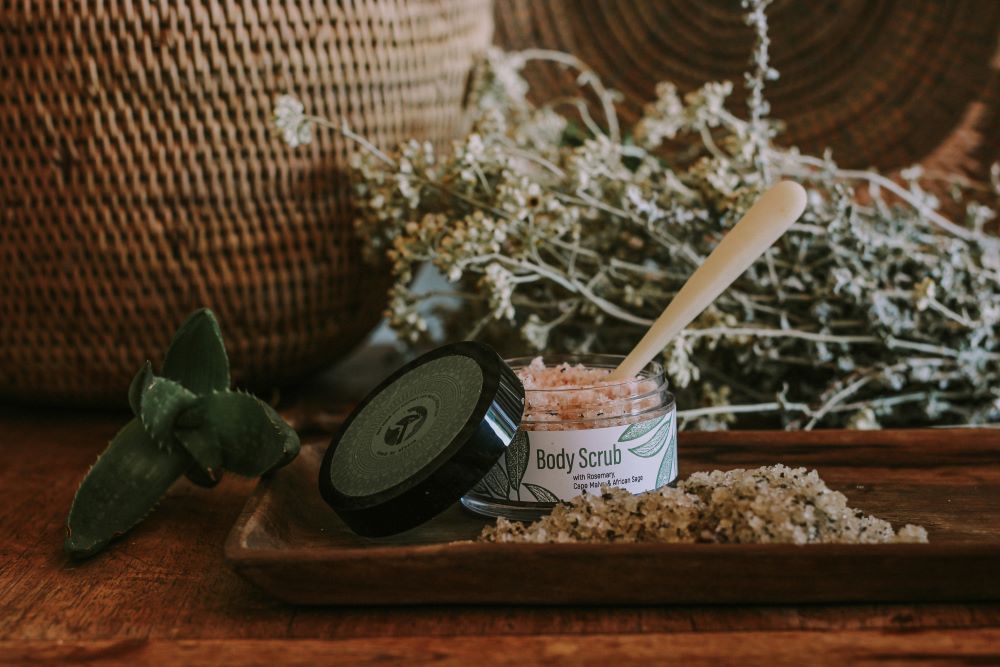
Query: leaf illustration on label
x=667, y=471
x=516, y=458
x=541, y=494
x=653, y=446
x=496, y=481
x=640, y=429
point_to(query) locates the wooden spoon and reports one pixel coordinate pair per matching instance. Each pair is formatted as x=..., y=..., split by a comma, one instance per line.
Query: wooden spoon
x=750, y=238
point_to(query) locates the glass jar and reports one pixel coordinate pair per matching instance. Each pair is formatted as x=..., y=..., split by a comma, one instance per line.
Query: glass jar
x=574, y=440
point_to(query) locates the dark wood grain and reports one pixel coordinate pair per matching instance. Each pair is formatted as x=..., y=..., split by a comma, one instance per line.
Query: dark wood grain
x=964, y=647
x=288, y=542
x=164, y=594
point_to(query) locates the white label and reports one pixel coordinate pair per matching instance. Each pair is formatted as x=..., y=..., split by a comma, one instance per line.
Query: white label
x=548, y=466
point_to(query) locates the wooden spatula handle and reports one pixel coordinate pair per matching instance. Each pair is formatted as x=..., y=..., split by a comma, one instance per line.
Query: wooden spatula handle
x=757, y=231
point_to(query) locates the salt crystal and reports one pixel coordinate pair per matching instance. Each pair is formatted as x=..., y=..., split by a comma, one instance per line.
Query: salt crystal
x=567, y=392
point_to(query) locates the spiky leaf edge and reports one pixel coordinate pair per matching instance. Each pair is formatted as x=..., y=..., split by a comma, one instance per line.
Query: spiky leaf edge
x=197, y=355
x=125, y=443
x=163, y=401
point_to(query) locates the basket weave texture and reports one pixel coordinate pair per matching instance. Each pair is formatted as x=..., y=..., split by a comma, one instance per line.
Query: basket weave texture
x=885, y=83
x=140, y=178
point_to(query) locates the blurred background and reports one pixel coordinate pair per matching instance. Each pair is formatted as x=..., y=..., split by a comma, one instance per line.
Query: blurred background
x=140, y=177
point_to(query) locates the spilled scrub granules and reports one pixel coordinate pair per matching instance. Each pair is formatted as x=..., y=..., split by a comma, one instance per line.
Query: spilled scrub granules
x=772, y=504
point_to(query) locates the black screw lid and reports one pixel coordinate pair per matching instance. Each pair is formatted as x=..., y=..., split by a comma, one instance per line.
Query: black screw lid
x=424, y=437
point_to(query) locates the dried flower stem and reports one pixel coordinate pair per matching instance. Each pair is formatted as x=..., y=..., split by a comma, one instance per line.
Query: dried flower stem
x=874, y=309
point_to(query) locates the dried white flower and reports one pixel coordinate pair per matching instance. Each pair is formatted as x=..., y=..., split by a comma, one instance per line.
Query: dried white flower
x=291, y=121
x=874, y=309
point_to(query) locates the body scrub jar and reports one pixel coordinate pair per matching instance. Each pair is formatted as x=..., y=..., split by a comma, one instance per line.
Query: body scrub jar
x=579, y=432
x=509, y=438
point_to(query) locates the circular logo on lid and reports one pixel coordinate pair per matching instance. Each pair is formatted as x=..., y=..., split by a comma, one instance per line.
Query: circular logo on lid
x=421, y=439
x=406, y=425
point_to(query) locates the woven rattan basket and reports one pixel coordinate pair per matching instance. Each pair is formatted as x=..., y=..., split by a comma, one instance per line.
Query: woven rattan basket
x=884, y=83
x=139, y=177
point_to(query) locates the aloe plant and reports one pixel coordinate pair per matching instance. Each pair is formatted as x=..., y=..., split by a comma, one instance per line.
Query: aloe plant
x=187, y=422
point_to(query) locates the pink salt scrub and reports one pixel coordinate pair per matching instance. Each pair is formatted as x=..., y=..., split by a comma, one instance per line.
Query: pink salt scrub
x=580, y=432
x=568, y=393
x=537, y=375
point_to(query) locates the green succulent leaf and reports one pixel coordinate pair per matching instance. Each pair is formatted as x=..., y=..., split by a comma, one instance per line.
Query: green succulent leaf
x=291, y=443
x=206, y=450
x=138, y=386
x=254, y=438
x=186, y=422
x=161, y=403
x=198, y=476
x=123, y=486
x=197, y=355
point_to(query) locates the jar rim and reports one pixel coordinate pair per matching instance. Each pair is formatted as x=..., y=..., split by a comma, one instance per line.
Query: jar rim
x=669, y=406
x=653, y=371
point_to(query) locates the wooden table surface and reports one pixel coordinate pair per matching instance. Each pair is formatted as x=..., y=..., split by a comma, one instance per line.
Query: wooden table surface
x=164, y=595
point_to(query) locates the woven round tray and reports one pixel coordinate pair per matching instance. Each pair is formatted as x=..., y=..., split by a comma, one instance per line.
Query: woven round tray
x=884, y=83
x=140, y=178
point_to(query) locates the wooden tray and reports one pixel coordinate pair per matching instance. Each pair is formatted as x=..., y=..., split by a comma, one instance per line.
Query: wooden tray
x=288, y=542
